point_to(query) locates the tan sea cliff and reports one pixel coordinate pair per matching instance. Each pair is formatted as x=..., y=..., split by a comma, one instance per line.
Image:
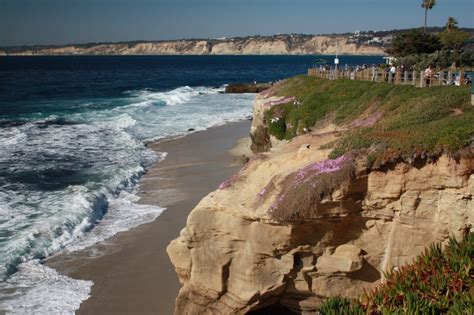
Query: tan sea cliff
x=276, y=45
x=236, y=256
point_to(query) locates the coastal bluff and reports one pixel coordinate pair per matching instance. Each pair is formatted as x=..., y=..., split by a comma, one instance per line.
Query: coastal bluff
x=253, y=45
x=297, y=224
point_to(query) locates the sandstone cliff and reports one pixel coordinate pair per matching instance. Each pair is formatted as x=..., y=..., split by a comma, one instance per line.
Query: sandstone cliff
x=294, y=227
x=271, y=45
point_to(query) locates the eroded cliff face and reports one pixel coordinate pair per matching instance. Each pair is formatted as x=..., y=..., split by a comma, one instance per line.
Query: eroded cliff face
x=277, y=45
x=293, y=227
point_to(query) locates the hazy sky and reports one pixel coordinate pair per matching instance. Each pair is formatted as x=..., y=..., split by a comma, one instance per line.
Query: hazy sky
x=26, y=22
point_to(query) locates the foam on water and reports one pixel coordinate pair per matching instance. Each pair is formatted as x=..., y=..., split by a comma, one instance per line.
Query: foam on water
x=124, y=213
x=67, y=181
x=37, y=289
x=174, y=97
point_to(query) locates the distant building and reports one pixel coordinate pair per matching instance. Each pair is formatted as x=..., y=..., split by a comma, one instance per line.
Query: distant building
x=375, y=40
x=389, y=60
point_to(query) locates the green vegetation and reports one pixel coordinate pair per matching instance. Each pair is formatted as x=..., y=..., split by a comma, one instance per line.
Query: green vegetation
x=442, y=59
x=415, y=49
x=453, y=39
x=414, y=42
x=451, y=24
x=392, y=120
x=438, y=282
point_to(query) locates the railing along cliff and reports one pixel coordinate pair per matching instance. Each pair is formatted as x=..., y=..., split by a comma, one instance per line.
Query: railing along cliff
x=415, y=78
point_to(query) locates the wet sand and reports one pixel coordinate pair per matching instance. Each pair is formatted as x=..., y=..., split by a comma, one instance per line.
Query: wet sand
x=131, y=271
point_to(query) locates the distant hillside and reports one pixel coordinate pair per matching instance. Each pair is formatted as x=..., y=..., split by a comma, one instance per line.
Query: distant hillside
x=252, y=45
x=357, y=43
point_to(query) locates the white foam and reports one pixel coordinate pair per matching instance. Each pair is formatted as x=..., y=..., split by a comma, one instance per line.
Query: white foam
x=111, y=142
x=120, y=122
x=37, y=289
x=174, y=97
x=124, y=213
x=11, y=137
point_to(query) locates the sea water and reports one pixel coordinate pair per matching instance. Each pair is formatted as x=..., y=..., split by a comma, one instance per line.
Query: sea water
x=73, y=135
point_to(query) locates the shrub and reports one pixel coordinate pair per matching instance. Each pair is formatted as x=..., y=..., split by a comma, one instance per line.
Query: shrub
x=414, y=42
x=454, y=39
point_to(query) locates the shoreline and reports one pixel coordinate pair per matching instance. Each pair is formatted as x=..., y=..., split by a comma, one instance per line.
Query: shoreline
x=131, y=271
x=191, y=55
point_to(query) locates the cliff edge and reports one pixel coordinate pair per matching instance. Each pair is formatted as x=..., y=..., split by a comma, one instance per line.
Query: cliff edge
x=316, y=213
x=254, y=45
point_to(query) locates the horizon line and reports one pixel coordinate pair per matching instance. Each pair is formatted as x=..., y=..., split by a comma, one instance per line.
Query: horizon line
x=222, y=38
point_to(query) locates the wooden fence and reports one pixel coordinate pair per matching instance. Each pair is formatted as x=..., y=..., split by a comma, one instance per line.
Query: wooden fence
x=415, y=78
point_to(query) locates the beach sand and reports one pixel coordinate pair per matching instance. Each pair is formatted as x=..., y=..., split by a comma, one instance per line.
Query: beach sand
x=131, y=271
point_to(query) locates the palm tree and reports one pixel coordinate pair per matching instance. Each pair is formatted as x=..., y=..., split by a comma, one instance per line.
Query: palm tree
x=451, y=24
x=427, y=5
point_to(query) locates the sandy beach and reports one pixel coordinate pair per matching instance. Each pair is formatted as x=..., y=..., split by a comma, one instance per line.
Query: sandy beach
x=131, y=271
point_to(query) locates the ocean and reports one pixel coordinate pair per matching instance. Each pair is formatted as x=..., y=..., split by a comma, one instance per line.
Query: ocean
x=73, y=135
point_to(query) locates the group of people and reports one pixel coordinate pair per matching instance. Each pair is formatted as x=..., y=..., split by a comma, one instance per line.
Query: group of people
x=390, y=73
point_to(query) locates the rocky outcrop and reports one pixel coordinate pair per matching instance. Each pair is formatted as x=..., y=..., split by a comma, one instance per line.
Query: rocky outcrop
x=262, y=141
x=292, y=227
x=270, y=45
x=247, y=87
x=258, y=131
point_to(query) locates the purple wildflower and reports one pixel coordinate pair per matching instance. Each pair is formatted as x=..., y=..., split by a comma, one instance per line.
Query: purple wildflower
x=229, y=182
x=366, y=122
x=277, y=203
x=265, y=93
x=280, y=101
x=326, y=166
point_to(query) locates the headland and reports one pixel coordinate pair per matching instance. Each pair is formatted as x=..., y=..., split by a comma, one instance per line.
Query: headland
x=350, y=180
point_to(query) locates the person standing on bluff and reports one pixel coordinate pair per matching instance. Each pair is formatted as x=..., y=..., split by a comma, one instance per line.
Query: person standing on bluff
x=374, y=73
x=393, y=71
x=428, y=74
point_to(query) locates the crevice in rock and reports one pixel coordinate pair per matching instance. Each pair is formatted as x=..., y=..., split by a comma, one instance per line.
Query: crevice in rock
x=225, y=276
x=368, y=273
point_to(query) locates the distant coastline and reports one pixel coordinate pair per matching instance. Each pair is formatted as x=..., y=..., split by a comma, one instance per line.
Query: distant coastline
x=293, y=44
x=357, y=43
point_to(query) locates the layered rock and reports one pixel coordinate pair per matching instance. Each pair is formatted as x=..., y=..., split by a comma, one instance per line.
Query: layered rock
x=292, y=227
x=271, y=45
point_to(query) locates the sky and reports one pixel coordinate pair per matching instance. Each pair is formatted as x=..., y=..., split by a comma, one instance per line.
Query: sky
x=29, y=22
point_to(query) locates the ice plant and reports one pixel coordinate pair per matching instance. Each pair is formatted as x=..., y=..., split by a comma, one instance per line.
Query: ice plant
x=439, y=281
x=229, y=182
x=280, y=101
x=265, y=93
x=303, y=190
x=326, y=166
x=367, y=122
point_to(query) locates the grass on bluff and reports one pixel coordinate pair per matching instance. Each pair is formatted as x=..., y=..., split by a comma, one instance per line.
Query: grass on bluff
x=414, y=121
x=440, y=281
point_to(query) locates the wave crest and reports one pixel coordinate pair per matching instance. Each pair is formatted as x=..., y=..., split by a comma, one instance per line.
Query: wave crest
x=174, y=97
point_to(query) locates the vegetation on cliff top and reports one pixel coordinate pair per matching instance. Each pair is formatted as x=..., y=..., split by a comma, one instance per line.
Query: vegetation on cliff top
x=438, y=282
x=303, y=190
x=391, y=120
